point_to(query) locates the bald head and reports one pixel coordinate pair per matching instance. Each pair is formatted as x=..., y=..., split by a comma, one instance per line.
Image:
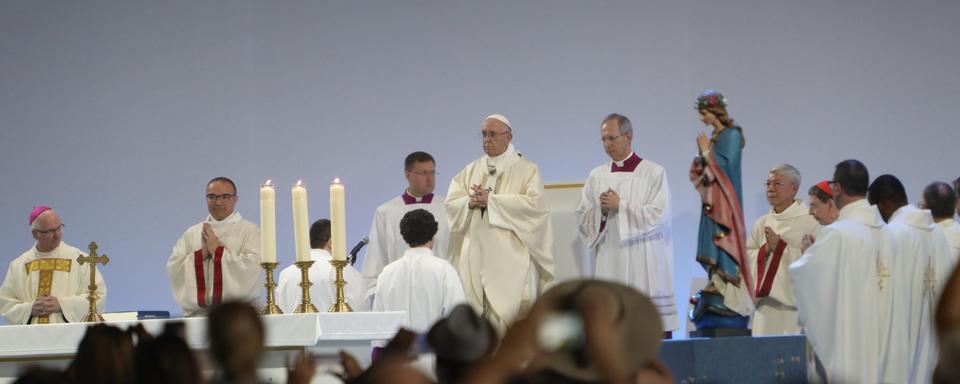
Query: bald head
x=940, y=199
x=46, y=229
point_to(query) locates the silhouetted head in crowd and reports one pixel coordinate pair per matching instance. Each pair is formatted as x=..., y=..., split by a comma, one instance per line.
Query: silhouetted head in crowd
x=236, y=341
x=166, y=358
x=105, y=355
x=459, y=340
x=888, y=194
x=37, y=374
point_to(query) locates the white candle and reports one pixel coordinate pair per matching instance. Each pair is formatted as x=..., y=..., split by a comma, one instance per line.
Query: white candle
x=338, y=225
x=301, y=226
x=268, y=223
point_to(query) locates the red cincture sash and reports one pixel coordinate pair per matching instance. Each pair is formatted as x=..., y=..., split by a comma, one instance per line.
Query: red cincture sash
x=201, y=281
x=766, y=273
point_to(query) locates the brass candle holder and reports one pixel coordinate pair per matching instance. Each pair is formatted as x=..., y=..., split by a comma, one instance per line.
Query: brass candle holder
x=305, y=305
x=92, y=315
x=270, y=308
x=341, y=304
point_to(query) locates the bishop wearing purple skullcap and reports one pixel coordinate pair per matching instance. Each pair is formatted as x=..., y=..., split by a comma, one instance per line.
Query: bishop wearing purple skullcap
x=46, y=285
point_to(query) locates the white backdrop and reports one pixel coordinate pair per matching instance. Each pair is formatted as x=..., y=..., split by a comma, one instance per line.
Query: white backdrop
x=117, y=112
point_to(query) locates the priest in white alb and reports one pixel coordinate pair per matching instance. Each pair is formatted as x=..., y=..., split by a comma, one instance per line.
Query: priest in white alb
x=323, y=292
x=500, y=236
x=837, y=283
x=624, y=220
x=421, y=284
x=46, y=284
x=923, y=264
x=775, y=242
x=217, y=259
x=386, y=243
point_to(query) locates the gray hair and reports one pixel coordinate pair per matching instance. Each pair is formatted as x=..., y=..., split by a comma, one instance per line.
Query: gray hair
x=787, y=170
x=622, y=121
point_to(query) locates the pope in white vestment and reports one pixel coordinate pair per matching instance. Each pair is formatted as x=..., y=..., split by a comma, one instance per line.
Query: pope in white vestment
x=837, y=285
x=386, y=244
x=923, y=265
x=632, y=244
x=217, y=259
x=776, y=308
x=53, y=274
x=323, y=292
x=500, y=237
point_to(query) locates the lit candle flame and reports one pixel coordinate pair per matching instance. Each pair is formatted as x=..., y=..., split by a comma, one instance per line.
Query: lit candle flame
x=300, y=183
x=269, y=182
x=336, y=180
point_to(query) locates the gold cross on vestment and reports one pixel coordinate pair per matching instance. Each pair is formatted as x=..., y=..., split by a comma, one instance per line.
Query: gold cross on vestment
x=92, y=297
x=882, y=274
x=930, y=283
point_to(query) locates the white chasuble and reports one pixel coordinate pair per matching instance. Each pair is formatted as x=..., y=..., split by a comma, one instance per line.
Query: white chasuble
x=837, y=287
x=951, y=229
x=200, y=280
x=56, y=273
x=503, y=252
x=776, y=308
x=386, y=243
x=633, y=245
x=922, y=266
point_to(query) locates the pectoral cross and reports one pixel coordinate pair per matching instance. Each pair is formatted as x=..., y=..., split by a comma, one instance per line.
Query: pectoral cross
x=92, y=297
x=882, y=274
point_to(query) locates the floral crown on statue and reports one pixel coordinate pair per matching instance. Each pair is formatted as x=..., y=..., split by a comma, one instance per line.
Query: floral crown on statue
x=711, y=99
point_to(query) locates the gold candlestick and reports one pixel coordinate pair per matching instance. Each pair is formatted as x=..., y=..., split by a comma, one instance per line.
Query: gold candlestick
x=92, y=315
x=271, y=307
x=341, y=304
x=305, y=305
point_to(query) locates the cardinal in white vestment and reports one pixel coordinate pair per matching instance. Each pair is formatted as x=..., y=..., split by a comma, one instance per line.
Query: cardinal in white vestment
x=922, y=265
x=46, y=284
x=775, y=242
x=500, y=236
x=217, y=259
x=624, y=220
x=837, y=283
x=386, y=243
x=419, y=283
x=323, y=292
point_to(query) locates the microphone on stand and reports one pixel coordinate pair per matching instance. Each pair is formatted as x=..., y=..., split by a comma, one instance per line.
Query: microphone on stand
x=356, y=248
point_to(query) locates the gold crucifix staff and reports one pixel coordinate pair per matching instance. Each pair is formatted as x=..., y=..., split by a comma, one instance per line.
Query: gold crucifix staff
x=93, y=259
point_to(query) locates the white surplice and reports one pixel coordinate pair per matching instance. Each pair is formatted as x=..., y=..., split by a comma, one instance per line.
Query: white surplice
x=776, y=312
x=951, y=229
x=386, y=243
x=28, y=276
x=504, y=252
x=634, y=246
x=922, y=266
x=232, y=273
x=323, y=292
x=837, y=289
x=425, y=286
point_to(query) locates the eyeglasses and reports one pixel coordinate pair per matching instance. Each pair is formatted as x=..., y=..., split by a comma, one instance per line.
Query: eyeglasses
x=49, y=231
x=775, y=184
x=609, y=139
x=424, y=173
x=224, y=197
x=489, y=134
